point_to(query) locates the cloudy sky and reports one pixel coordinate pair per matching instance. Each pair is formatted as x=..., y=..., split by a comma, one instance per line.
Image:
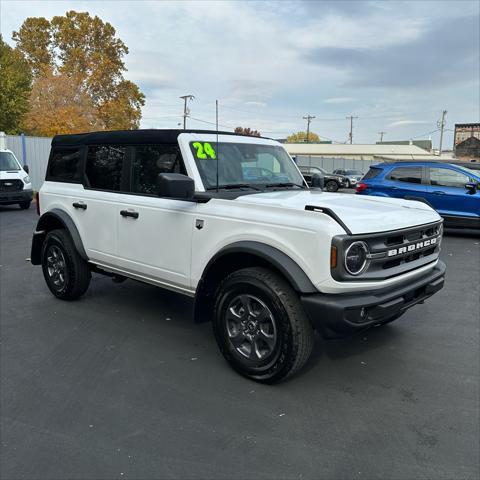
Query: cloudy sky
x=394, y=65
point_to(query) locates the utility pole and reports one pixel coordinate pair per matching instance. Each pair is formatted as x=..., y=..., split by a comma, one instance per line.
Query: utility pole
x=350, y=136
x=308, y=118
x=441, y=125
x=381, y=136
x=186, y=111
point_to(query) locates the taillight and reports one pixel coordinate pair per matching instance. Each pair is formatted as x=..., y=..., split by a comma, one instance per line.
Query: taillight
x=37, y=202
x=361, y=187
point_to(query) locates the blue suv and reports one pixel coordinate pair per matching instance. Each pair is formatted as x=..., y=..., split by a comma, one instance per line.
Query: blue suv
x=452, y=190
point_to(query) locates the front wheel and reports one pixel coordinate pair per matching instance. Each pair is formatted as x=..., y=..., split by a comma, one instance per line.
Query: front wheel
x=348, y=184
x=331, y=186
x=25, y=205
x=66, y=273
x=260, y=325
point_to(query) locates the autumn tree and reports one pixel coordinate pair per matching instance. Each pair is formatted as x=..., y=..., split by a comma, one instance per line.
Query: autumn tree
x=301, y=137
x=59, y=104
x=248, y=131
x=87, y=50
x=15, y=84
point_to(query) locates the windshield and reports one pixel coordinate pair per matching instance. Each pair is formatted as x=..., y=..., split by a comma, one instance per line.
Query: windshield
x=244, y=165
x=8, y=162
x=354, y=172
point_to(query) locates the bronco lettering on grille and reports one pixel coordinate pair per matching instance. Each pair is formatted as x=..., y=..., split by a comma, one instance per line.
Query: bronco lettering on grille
x=412, y=247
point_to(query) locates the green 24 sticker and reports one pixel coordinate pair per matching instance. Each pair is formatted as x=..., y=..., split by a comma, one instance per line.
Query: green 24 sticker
x=204, y=150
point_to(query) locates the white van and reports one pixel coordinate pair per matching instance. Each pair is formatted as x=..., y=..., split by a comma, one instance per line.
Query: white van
x=15, y=184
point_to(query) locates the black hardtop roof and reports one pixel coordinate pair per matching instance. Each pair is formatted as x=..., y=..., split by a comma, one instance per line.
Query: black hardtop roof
x=128, y=137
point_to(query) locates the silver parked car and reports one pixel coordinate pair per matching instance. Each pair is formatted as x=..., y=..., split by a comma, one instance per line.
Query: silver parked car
x=352, y=176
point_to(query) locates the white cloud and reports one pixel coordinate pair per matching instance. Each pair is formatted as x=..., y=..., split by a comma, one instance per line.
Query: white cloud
x=399, y=123
x=337, y=100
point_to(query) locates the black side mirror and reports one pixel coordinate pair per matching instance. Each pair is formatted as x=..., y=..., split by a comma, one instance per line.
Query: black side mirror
x=25, y=167
x=471, y=188
x=175, y=185
x=318, y=181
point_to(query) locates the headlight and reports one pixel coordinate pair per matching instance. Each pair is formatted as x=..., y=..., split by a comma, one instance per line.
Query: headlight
x=356, y=258
x=26, y=179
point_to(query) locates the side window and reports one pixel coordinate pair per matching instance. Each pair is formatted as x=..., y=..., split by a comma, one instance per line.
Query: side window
x=406, y=174
x=104, y=167
x=65, y=165
x=151, y=160
x=443, y=177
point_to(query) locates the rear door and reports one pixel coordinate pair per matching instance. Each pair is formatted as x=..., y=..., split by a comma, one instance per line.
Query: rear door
x=154, y=237
x=96, y=205
x=404, y=182
x=447, y=193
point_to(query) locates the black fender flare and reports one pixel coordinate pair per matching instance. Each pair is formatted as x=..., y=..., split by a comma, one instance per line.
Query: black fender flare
x=294, y=274
x=279, y=260
x=59, y=217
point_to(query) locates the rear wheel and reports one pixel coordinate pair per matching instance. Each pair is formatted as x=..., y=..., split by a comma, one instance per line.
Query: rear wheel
x=331, y=186
x=260, y=325
x=66, y=273
x=25, y=205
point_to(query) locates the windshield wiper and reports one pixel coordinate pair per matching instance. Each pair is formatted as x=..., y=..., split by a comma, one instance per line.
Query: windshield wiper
x=231, y=186
x=284, y=184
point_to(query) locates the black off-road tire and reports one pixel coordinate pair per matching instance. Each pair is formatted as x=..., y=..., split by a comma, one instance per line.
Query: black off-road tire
x=331, y=186
x=76, y=273
x=25, y=205
x=294, y=337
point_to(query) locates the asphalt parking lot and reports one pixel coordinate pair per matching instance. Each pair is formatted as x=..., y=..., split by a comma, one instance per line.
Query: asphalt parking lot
x=122, y=384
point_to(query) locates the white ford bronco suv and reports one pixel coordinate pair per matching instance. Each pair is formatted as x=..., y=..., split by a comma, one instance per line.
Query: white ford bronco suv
x=229, y=220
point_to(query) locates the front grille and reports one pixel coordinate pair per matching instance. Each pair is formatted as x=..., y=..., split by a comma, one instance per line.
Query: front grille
x=11, y=185
x=393, y=253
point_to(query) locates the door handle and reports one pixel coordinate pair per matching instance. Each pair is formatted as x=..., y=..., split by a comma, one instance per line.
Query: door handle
x=128, y=213
x=81, y=205
x=438, y=192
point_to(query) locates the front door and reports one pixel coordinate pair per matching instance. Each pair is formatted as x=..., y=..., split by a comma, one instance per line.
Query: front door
x=155, y=234
x=447, y=193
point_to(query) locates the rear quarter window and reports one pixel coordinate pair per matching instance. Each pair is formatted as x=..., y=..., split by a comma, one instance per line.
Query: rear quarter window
x=66, y=165
x=372, y=173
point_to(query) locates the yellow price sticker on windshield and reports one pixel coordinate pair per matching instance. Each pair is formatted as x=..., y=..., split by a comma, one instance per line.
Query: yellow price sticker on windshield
x=204, y=150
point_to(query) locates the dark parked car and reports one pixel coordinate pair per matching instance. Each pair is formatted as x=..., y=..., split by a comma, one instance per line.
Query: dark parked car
x=332, y=182
x=453, y=191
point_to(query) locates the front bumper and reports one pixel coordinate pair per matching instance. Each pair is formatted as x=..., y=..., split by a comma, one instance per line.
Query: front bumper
x=9, y=198
x=339, y=315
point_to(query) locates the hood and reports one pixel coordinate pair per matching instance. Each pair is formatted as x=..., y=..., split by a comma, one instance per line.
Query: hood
x=12, y=174
x=360, y=213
